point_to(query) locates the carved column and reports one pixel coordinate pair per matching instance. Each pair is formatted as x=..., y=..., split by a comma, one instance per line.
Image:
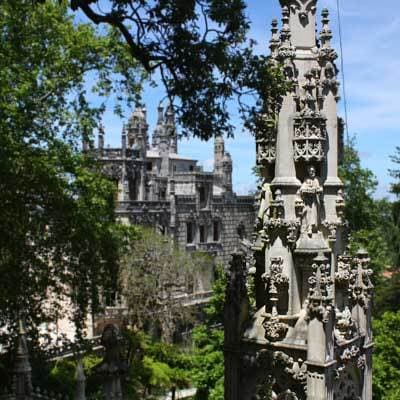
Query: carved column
x=235, y=314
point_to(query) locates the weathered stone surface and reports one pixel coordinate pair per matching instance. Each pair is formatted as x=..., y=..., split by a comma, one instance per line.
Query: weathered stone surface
x=310, y=337
x=158, y=187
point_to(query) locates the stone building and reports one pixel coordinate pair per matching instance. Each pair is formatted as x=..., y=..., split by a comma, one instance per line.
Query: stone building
x=161, y=188
x=310, y=337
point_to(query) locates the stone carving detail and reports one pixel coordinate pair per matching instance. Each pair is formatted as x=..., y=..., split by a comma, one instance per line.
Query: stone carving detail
x=311, y=191
x=274, y=330
x=349, y=354
x=333, y=227
x=343, y=273
x=320, y=292
x=287, y=52
x=309, y=124
x=276, y=221
x=345, y=326
x=113, y=170
x=327, y=56
x=304, y=8
x=275, y=281
x=296, y=369
x=361, y=287
x=340, y=204
x=266, y=143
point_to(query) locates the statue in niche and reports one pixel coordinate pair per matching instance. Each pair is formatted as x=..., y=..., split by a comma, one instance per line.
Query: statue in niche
x=310, y=191
x=265, y=203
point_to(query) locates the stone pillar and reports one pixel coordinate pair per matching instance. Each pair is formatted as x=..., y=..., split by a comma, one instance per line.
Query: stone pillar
x=22, y=372
x=112, y=367
x=172, y=200
x=285, y=172
x=235, y=313
x=80, y=382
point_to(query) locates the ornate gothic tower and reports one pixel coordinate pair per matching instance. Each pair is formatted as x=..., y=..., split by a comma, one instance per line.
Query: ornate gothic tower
x=310, y=337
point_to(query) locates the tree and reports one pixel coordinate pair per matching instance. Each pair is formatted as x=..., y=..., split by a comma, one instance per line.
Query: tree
x=359, y=186
x=208, y=340
x=386, y=373
x=156, y=278
x=395, y=189
x=200, y=51
x=369, y=219
x=59, y=241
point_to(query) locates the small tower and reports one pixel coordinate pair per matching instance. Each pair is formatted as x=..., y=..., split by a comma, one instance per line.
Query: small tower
x=159, y=129
x=137, y=135
x=227, y=172
x=137, y=129
x=219, y=151
x=170, y=129
x=310, y=337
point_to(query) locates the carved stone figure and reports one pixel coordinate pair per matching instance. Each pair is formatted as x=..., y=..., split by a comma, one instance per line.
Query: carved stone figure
x=311, y=191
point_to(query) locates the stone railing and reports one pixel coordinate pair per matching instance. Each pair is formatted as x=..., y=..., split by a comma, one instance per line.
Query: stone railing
x=69, y=349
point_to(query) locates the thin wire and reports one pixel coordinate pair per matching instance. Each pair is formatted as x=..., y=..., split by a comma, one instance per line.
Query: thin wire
x=343, y=74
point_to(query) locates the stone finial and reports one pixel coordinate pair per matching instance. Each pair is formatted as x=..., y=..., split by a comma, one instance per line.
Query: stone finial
x=326, y=33
x=285, y=31
x=22, y=380
x=274, y=42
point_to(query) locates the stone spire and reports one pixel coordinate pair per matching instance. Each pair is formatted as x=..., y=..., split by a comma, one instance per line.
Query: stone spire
x=22, y=379
x=310, y=337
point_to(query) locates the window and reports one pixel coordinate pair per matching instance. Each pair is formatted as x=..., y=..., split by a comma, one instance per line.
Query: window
x=149, y=166
x=191, y=168
x=202, y=230
x=203, y=197
x=189, y=232
x=216, y=231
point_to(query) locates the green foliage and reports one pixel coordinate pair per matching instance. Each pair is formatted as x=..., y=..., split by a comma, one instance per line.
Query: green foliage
x=59, y=237
x=359, y=186
x=62, y=375
x=153, y=272
x=215, y=308
x=370, y=220
x=209, y=362
x=208, y=342
x=202, y=53
x=386, y=364
x=155, y=367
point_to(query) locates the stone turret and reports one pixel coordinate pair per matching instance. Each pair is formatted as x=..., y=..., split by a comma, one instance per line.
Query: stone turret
x=165, y=138
x=137, y=136
x=222, y=165
x=227, y=172
x=310, y=337
x=170, y=129
x=159, y=129
x=137, y=129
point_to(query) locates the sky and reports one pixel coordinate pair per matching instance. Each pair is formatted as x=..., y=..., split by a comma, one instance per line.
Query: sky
x=371, y=56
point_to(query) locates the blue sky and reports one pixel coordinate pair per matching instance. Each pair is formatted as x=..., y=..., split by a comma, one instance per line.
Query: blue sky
x=371, y=33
